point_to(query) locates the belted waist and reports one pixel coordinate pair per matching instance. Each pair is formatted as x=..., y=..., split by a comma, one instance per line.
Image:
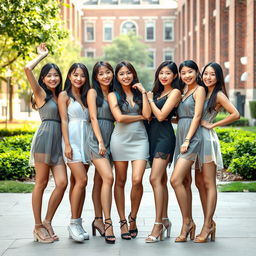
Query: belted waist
x=153, y=117
x=107, y=119
x=53, y=120
x=189, y=117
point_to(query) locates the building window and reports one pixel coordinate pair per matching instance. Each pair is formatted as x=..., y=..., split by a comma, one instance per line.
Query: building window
x=90, y=53
x=168, y=31
x=151, y=59
x=150, y=31
x=90, y=32
x=168, y=55
x=108, y=31
x=128, y=27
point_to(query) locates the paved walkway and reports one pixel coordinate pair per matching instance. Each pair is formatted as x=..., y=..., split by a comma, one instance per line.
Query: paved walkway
x=235, y=218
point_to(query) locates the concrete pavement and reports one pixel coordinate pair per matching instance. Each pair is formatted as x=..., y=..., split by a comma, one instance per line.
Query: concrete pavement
x=235, y=218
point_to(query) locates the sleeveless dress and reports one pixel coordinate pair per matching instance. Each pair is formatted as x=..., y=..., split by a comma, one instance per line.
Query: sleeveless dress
x=46, y=144
x=161, y=135
x=210, y=149
x=129, y=141
x=186, y=111
x=77, y=132
x=106, y=124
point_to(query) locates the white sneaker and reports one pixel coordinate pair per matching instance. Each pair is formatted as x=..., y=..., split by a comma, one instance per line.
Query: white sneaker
x=74, y=230
x=85, y=234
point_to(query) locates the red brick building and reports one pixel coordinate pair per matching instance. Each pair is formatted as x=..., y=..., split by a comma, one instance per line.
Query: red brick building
x=223, y=31
x=152, y=20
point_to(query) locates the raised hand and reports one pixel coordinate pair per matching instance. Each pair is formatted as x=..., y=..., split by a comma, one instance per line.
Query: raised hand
x=140, y=87
x=150, y=96
x=42, y=50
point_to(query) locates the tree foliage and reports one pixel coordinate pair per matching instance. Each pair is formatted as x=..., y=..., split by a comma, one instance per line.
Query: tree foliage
x=129, y=47
x=26, y=23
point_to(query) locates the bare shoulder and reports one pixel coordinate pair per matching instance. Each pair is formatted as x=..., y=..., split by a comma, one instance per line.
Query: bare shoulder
x=176, y=92
x=111, y=95
x=63, y=96
x=92, y=91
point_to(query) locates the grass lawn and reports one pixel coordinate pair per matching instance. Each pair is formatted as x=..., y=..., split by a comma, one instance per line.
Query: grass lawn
x=238, y=187
x=247, y=128
x=9, y=186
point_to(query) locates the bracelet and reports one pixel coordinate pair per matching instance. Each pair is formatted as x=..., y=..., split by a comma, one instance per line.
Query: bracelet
x=150, y=101
x=144, y=92
x=187, y=140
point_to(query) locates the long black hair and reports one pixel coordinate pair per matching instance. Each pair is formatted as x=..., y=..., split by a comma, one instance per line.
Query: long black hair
x=95, y=83
x=219, y=86
x=158, y=87
x=137, y=97
x=44, y=71
x=193, y=65
x=84, y=88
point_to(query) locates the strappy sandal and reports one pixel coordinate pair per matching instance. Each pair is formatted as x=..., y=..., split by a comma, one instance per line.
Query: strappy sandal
x=48, y=226
x=41, y=235
x=125, y=236
x=133, y=232
x=102, y=233
x=108, y=238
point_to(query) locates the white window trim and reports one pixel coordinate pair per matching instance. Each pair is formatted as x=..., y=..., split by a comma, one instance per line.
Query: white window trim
x=154, y=58
x=112, y=36
x=85, y=31
x=90, y=50
x=135, y=23
x=168, y=50
x=154, y=35
x=172, y=24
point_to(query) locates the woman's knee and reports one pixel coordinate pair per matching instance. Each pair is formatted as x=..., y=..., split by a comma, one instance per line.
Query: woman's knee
x=41, y=184
x=154, y=180
x=62, y=184
x=136, y=181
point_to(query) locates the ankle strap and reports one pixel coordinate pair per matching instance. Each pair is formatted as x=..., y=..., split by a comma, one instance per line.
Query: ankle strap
x=165, y=218
x=123, y=222
x=40, y=224
x=131, y=219
x=158, y=223
x=98, y=218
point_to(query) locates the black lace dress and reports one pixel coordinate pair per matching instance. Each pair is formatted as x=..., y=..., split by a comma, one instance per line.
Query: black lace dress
x=161, y=135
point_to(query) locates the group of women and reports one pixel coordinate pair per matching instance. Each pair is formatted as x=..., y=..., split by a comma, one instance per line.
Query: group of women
x=116, y=121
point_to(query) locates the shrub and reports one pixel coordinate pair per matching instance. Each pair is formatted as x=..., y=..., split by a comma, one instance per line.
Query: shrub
x=22, y=142
x=14, y=165
x=238, y=150
x=13, y=132
x=252, y=105
x=245, y=166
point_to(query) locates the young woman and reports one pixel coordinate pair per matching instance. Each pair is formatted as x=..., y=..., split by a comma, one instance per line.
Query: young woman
x=163, y=101
x=74, y=114
x=188, y=141
x=210, y=153
x=129, y=141
x=46, y=151
x=99, y=133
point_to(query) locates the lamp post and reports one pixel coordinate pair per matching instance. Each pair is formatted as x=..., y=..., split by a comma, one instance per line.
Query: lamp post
x=8, y=75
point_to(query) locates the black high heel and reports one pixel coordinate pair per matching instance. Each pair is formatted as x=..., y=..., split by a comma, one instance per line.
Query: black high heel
x=108, y=238
x=102, y=233
x=125, y=236
x=133, y=232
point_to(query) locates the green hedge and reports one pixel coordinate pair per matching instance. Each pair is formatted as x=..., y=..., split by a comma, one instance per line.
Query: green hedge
x=14, y=132
x=240, y=122
x=22, y=142
x=238, y=149
x=14, y=165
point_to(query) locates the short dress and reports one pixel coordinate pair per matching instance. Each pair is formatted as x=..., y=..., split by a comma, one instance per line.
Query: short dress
x=77, y=132
x=185, y=112
x=161, y=135
x=106, y=124
x=46, y=144
x=129, y=141
x=210, y=149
